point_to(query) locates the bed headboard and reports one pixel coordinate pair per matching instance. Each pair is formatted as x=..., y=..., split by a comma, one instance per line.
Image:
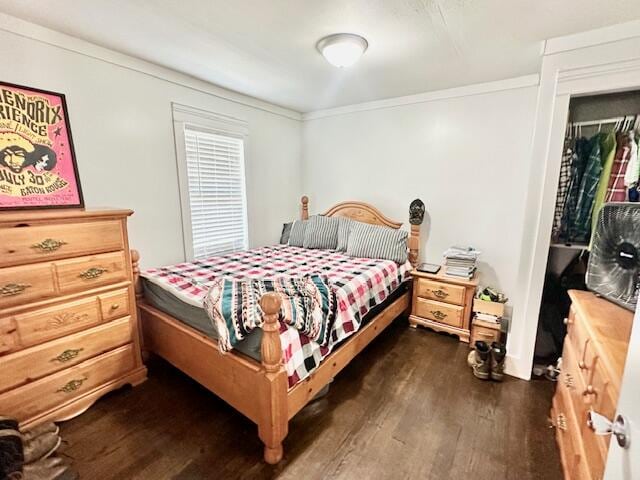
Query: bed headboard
x=363, y=212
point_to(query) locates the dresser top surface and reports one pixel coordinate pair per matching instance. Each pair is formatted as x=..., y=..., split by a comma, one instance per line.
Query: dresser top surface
x=12, y=217
x=608, y=323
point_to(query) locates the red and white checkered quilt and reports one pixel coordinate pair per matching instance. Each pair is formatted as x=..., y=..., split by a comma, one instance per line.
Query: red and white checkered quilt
x=360, y=284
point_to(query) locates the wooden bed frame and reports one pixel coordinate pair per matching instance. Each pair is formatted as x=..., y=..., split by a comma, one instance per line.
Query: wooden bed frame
x=260, y=390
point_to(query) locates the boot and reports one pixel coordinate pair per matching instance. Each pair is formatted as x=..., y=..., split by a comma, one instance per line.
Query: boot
x=11, y=454
x=479, y=360
x=40, y=430
x=45, y=469
x=41, y=447
x=498, y=353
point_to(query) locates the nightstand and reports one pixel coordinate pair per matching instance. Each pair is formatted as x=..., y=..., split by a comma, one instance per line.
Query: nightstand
x=442, y=303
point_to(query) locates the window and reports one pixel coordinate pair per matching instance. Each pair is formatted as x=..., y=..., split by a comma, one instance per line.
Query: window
x=212, y=185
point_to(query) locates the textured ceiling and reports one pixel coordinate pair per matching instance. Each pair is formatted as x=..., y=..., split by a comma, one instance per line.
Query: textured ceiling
x=266, y=48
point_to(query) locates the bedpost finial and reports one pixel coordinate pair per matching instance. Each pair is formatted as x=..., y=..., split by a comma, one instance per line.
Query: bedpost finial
x=270, y=304
x=305, y=207
x=304, y=200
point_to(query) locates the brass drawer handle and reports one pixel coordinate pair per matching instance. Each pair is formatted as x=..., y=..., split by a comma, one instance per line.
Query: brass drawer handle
x=568, y=380
x=440, y=293
x=438, y=314
x=93, y=272
x=115, y=306
x=48, y=245
x=13, y=289
x=67, y=355
x=72, y=385
x=561, y=421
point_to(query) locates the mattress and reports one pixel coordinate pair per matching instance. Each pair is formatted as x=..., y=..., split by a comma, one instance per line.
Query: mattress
x=359, y=284
x=197, y=318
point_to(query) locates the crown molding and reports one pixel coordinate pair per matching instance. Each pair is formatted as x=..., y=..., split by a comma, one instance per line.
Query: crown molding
x=590, y=38
x=466, y=91
x=32, y=31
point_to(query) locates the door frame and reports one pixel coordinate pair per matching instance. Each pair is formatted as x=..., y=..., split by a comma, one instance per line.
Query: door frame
x=587, y=70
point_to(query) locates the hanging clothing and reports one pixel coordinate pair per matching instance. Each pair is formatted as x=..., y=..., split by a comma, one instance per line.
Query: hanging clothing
x=564, y=183
x=608, y=143
x=616, y=188
x=632, y=175
x=588, y=187
x=578, y=164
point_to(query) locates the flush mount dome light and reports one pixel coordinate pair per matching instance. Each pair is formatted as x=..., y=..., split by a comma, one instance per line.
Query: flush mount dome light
x=342, y=49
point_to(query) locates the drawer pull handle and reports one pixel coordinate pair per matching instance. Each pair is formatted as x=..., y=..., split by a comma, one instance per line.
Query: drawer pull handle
x=582, y=365
x=13, y=289
x=438, y=314
x=93, y=272
x=67, y=355
x=440, y=293
x=115, y=306
x=48, y=245
x=72, y=385
x=561, y=422
x=566, y=321
x=589, y=391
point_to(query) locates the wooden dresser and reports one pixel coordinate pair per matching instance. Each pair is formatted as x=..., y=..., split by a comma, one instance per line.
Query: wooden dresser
x=442, y=303
x=68, y=322
x=593, y=358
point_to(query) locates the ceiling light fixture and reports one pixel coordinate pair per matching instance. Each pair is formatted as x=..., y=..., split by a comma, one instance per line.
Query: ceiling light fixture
x=342, y=49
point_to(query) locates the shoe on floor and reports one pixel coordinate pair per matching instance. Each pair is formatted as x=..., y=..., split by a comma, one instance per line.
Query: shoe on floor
x=45, y=469
x=41, y=447
x=11, y=451
x=498, y=354
x=40, y=430
x=479, y=360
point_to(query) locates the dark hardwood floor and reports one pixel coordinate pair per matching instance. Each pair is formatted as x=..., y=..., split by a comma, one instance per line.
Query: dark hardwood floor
x=407, y=407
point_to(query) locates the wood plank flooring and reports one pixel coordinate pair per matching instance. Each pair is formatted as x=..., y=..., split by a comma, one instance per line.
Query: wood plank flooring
x=408, y=407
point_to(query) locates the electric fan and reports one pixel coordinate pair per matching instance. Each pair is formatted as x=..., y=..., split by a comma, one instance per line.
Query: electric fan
x=614, y=262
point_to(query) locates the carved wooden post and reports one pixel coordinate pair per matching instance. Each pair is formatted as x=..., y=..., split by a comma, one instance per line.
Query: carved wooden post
x=271, y=348
x=416, y=217
x=305, y=208
x=135, y=267
x=273, y=423
x=414, y=245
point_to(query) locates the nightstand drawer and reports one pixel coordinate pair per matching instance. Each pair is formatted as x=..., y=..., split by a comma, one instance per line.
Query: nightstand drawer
x=439, y=291
x=439, y=312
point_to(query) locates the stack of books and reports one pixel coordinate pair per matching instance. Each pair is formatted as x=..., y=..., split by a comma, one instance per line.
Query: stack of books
x=461, y=261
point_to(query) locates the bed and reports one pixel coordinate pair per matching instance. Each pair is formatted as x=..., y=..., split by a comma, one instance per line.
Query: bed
x=274, y=372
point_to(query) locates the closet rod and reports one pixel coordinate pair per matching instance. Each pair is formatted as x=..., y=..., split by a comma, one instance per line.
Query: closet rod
x=590, y=123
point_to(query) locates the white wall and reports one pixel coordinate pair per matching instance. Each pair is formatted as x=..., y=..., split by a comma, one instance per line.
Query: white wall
x=120, y=113
x=464, y=152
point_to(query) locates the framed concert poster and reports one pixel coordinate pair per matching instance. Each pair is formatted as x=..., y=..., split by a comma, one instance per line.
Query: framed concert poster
x=37, y=161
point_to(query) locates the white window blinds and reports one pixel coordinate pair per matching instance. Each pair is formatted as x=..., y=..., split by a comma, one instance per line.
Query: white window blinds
x=216, y=188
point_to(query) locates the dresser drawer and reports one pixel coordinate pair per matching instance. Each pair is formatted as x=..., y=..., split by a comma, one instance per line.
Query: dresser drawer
x=443, y=292
x=29, y=283
x=55, y=390
x=39, y=243
x=89, y=272
x=36, y=362
x=37, y=326
x=439, y=312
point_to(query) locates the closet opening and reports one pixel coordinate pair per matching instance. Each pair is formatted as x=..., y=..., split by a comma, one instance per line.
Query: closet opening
x=599, y=164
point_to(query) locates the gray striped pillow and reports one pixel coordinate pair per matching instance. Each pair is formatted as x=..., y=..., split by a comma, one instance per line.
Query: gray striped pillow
x=296, y=236
x=344, y=227
x=373, y=241
x=321, y=232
